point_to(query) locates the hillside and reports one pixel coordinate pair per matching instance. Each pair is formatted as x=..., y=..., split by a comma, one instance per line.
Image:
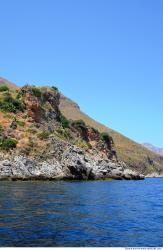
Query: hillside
x=12, y=86
x=34, y=115
x=134, y=154
x=38, y=142
x=153, y=148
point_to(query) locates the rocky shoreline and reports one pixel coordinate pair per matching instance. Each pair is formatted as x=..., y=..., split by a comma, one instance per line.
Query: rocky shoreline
x=154, y=175
x=74, y=165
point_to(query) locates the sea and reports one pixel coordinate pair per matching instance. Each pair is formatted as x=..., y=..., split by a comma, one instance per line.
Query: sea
x=81, y=213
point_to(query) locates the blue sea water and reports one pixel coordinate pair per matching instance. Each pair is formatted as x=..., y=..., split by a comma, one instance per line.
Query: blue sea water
x=82, y=213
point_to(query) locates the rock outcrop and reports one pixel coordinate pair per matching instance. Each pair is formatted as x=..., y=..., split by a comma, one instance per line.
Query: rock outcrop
x=74, y=165
x=36, y=103
x=38, y=142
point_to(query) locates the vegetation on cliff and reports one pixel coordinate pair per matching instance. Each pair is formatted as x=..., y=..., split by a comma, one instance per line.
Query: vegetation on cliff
x=31, y=122
x=34, y=118
x=133, y=154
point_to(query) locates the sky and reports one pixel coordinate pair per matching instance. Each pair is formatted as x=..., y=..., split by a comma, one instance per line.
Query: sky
x=107, y=55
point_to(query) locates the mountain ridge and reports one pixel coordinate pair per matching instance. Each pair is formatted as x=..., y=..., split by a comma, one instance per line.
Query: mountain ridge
x=153, y=148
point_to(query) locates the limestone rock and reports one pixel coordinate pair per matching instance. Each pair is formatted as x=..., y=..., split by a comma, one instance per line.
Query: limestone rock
x=74, y=164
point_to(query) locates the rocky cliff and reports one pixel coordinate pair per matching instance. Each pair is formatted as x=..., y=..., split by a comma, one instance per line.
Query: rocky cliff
x=135, y=155
x=38, y=142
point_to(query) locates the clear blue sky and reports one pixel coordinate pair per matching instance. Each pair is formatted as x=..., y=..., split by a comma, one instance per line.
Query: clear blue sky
x=105, y=54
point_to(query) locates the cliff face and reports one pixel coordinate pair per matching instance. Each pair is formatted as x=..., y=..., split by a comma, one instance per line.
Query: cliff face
x=136, y=156
x=38, y=142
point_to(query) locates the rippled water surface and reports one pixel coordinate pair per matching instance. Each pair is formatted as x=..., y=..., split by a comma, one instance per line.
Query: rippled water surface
x=93, y=213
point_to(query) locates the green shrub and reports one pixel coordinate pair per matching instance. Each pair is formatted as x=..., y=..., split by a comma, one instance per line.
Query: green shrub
x=7, y=107
x=105, y=137
x=1, y=129
x=7, y=115
x=3, y=87
x=32, y=130
x=82, y=144
x=20, y=123
x=64, y=133
x=17, y=104
x=54, y=88
x=8, y=143
x=36, y=92
x=44, y=135
x=95, y=130
x=9, y=104
x=63, y=120
x=19, y=94
x=79, y=123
